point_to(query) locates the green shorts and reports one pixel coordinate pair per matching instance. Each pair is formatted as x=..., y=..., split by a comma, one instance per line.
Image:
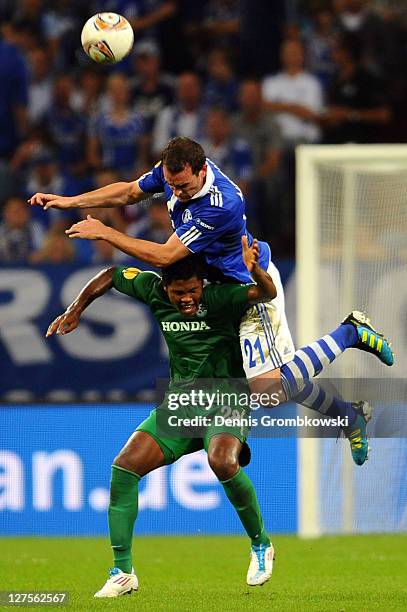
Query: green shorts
x=177, y=440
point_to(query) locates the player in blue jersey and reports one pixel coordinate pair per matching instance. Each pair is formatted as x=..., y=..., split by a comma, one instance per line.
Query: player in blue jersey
x=207, y=211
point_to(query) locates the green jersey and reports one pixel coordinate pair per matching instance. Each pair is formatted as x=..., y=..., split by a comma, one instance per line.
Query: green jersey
x=205, y=345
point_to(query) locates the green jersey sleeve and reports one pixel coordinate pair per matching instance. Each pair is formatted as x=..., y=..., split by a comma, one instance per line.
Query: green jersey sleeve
x=227, y=298
x=136, y=283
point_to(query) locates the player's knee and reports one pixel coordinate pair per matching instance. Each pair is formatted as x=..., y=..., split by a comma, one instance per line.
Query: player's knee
x=224, y=462
x=124, y=460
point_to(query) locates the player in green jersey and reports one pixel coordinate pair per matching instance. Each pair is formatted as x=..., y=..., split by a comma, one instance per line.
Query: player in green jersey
x=200, y=325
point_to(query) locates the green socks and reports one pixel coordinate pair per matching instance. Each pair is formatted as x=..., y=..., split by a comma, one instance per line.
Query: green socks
x=123, y=510
x=241, y=494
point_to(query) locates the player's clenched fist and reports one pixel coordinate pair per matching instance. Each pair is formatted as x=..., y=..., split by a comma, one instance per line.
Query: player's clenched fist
x=50, y=200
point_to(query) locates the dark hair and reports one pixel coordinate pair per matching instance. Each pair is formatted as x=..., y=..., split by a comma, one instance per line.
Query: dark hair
x=184, y=269
x=181, y=151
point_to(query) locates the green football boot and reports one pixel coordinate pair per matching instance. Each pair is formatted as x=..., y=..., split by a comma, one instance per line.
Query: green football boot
x=356, y=433
x=369, y=339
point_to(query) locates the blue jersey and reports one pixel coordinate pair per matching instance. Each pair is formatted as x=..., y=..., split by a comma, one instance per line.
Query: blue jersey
x=212, y=222
x=119, y=141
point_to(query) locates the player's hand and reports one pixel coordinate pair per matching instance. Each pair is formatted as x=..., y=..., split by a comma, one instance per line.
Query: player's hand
x=50, y=200
x=64, y=324
x=90, y=229
x=250, y=254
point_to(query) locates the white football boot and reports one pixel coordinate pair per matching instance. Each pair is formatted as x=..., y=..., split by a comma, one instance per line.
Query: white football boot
x=261, y=564
x=118, y=584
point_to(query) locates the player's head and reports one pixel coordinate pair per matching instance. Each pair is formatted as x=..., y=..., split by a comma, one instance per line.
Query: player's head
x=183, y=283
x=184, y=166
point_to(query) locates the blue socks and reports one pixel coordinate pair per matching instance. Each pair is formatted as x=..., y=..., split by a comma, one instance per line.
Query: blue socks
x=308, y=362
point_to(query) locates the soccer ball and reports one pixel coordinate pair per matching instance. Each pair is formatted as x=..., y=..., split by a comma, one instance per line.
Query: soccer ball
x=107, y=38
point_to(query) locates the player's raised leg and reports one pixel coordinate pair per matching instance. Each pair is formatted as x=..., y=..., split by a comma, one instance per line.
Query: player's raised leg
x=271, y=363
x=139, y=456
x=223, y=457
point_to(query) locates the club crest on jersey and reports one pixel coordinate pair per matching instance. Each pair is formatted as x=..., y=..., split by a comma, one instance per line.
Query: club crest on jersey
x=175, y=326
x=186, y=215
x=130, y=273
x=202, y=311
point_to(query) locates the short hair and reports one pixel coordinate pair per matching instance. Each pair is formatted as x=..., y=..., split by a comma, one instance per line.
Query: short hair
x=184, y=269
x=181, y=151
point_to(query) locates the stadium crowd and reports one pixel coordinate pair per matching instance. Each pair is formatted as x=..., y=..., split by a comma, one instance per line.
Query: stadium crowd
x=248, y=79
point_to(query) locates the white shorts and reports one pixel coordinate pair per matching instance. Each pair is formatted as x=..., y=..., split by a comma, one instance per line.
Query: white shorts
x=265, y=338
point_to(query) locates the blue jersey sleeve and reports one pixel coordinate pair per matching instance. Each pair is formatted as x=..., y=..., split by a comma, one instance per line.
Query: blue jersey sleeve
x=197, y=234
x=153, y=181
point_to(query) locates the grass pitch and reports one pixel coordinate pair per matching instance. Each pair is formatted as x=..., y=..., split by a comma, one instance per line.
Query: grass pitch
x=191, y=574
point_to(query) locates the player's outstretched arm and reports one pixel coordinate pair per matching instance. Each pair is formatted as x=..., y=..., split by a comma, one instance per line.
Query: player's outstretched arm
x=116, y=194
x=69, y=320
x=264, y=289
x=158, y=255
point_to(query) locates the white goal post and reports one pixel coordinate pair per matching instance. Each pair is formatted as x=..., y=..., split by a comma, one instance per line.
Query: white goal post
x=351, y=223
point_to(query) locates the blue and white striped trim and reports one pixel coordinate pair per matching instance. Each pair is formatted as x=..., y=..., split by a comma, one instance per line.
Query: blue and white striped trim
x=190, y=235
x=216, y=197
x=270, y=329
x=274, y=355
x=310, y=394
x=306, y=360
x=332, y=345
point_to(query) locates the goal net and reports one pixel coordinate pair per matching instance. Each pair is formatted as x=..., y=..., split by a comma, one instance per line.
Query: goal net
x=351, y=216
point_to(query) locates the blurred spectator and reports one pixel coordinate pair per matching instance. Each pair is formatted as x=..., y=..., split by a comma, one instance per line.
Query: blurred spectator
x=231, y=154
x=356, y=101
x=87, y=99
x=19, y=235
x=57, y=248
x=41, y=85
x=356, y=17
x=221, y=24
x=13, y=98
x=29, y=16
x=318, y=42
x=66, y=127
x=41, y=173
x=144, y=15
x=221, y=84
x=116, y=136
x=151, y=90
x=61, y=25
x=259, y=128
x=99, y=251
x=155, y=225
x=295, y=96
x=115, y=217
x=184, y=118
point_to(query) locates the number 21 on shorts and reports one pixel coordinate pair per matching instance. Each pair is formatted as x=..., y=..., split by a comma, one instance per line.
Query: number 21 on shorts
x=253, y=352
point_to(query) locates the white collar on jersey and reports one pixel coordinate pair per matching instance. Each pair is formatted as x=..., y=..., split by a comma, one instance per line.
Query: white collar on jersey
x=209, y=180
